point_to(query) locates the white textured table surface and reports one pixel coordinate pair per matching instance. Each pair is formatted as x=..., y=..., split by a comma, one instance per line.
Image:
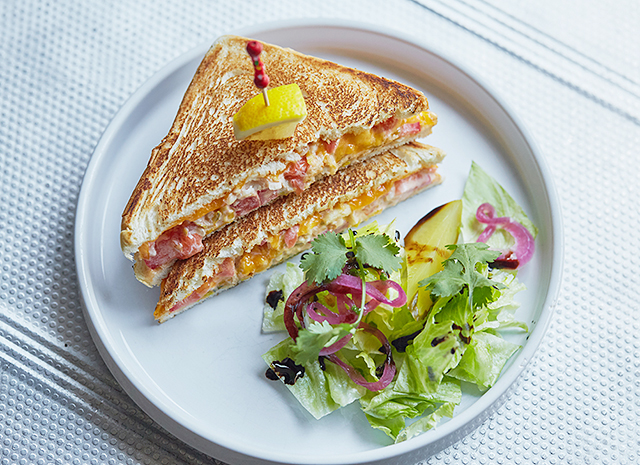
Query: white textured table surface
x=569, y=69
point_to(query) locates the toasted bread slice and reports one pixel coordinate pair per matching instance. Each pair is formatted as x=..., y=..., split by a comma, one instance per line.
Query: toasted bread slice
x=275, y=232
x=201, y=178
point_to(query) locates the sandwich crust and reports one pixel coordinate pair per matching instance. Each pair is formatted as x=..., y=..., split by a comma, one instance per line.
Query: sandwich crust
x=255, y=228
x=200, y=160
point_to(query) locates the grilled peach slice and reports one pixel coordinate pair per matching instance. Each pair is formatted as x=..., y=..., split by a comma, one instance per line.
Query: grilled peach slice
x=425, y=247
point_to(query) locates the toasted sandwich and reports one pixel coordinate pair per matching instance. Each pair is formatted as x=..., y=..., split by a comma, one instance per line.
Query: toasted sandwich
x=276, y=232
x=200, y=178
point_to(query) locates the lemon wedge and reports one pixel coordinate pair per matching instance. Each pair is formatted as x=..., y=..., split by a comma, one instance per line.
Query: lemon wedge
x=256, y=121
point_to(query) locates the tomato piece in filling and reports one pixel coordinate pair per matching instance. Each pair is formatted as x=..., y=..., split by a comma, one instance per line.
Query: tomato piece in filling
x=177, y=243
x=295, y=174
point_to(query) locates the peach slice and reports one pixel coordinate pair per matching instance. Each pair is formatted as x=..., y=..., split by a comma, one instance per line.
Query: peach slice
x=425, y=248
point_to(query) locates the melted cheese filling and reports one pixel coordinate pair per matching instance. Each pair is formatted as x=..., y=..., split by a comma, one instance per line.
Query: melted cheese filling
x=341, y=216
x=261, y=256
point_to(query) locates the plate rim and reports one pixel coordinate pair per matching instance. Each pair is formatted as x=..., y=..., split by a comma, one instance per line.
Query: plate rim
x=439, y=436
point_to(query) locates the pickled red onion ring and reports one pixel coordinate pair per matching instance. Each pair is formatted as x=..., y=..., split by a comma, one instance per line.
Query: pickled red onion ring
x=294, y=304
x=389, y=370
x=374, y=289
x=386, y=378
x=344, y=284
x=341, y=288
x=336, y=346
x=524, y=242
x=320, y=313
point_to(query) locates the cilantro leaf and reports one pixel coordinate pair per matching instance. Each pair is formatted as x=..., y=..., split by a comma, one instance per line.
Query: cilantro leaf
x=447, y=282
x=461, y=271
x=330, y=254
x=378, y=251
x=327, y=260
x=317, y=336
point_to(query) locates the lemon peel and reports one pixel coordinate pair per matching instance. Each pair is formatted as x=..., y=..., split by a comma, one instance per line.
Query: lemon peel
x=256, y=121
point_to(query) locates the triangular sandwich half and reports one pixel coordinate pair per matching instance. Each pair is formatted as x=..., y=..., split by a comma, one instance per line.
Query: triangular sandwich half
x=276, y=232
x=200, y=178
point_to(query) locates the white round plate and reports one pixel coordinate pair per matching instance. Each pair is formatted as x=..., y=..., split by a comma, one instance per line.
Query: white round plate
x=200, y=375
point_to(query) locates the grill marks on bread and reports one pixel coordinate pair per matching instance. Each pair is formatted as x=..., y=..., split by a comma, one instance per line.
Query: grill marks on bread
x=200, y=160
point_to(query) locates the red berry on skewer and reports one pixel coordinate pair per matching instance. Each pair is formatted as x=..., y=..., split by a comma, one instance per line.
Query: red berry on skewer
x=261, y=80
x=254, y=48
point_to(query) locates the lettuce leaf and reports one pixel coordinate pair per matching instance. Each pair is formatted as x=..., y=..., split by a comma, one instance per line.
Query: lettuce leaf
x=435, y=350
x=481, y=188
x=287, y=282
x=392, y=401
x=319, y=391
x=427, y=422
x=389, y=409
x=483, y=360
x=500, y=313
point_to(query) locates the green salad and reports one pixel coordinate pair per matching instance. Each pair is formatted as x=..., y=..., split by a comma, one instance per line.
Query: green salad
x=355, y=335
